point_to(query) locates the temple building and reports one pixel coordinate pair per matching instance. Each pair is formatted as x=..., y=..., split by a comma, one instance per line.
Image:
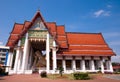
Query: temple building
x=38, y=45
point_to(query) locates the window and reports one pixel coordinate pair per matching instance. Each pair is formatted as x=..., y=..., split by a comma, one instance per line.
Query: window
x=68, y=64
x=87, y=64
x=96, y=63
x=59, y=63
x=78, y=66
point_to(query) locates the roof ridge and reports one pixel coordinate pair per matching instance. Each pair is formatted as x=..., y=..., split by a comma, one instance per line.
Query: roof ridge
x=81, y=33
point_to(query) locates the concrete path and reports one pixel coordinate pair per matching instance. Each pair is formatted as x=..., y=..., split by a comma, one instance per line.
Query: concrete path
x=37, y=78
x=116, y=77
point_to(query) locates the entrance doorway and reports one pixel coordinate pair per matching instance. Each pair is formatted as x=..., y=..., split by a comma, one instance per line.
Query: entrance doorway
x=38, y=55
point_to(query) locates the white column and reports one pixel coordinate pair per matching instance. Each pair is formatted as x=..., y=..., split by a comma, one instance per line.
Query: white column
x=107, y=65
x=92, y=65
x=17, y=56
x=30, y=59
x=19, y=60
x=9, y=61
x=83, y=65
x=24, y=53
x=54, y=56
x=47, y=54
x=102, y=66
x=64, y=65
x=110, y=66
x=73, y=65
x=27, y=55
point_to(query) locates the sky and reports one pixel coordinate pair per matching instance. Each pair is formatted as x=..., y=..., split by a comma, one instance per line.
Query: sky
x=91, y=16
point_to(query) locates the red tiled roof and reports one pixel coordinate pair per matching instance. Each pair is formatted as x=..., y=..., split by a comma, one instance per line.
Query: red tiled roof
x=87, y=53
x=85, y=38
x=14, y=36
x=52, y=28
x=89, y=44
x=27, y=24
x=89, y=47
x=61, y=37
x=86, y=44
x=17, y=28
x=61, y=30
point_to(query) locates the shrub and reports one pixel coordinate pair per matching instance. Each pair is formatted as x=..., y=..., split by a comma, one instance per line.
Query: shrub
x=43, y=74
x=81, y=76
x=2, y=71
x=61, y=70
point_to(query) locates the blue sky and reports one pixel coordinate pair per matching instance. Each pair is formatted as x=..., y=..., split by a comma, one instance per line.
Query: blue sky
x=92, y=16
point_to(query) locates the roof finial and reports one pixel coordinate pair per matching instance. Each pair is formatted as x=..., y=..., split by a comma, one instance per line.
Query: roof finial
x=38, y=9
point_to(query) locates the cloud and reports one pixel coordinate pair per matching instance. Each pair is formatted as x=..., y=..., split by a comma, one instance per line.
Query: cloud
x=1, y=43
x=101, y=13
x=116, y=59
x=98, y=13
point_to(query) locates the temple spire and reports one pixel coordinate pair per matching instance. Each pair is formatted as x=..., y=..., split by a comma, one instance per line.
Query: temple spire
x=38, y=10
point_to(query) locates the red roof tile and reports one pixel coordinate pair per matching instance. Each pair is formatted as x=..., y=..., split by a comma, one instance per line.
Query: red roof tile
x=61, y=30
x=61, y=37
x=85, y=38
x=13, y=37
x=17, y=28
x=89, y=47
x=86, y=44
x=80, y=44
x=27, y=24
x=87, y=53
x=52, y=27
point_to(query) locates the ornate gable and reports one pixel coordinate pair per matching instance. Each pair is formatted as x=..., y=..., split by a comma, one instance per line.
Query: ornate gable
x=38, y=25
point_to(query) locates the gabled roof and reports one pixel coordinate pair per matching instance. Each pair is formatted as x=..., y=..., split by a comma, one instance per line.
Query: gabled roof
x=89, y=44
x=52, y=28
x=61, y=37
x=70, y=43
x=20, y=29
x=85, y=38
x=58, y=32
x=14, y=36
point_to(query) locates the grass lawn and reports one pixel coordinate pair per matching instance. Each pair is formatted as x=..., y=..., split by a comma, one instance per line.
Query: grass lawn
x=68, y=76
x=57, y=76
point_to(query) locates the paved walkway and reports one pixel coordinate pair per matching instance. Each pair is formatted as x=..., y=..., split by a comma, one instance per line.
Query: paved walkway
x=37, y=78
x=116, y=77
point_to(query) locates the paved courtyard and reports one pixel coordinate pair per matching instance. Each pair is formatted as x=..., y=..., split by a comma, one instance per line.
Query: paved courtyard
x=37, y=78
